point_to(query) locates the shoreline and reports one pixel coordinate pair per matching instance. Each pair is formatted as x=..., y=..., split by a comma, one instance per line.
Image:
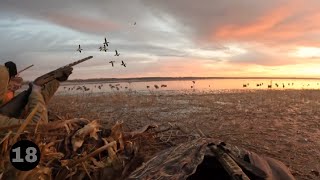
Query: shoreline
x=147, y=79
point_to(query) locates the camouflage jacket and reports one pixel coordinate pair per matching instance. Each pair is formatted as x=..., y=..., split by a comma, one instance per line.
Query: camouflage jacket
x=35, y=98
x=4, y=81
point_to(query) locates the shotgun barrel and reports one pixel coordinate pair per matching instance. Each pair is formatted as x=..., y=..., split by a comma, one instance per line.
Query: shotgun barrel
x=25, y=69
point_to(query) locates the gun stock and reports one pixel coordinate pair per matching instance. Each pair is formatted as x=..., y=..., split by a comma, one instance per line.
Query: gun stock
x=15, y=107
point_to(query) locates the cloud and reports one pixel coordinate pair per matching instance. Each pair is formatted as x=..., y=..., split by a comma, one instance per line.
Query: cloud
x=171, y=37
x=269, y=22
x=259, y=58
x=83, y=23
x=85, y=16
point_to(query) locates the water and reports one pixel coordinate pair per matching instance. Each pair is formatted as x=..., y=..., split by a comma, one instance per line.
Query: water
x=203, y=85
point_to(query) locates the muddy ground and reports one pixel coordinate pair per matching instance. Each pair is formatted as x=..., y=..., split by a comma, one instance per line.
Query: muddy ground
x=281, y=124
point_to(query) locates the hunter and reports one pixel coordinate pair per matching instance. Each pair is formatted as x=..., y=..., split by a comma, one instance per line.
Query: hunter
x=39, y=95
x=15, y=82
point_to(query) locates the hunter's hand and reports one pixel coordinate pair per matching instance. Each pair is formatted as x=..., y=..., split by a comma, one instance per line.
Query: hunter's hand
x=65, y=74
x=15, y=83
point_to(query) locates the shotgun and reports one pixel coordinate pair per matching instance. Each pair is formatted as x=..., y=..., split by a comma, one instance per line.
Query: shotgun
x=15, y=106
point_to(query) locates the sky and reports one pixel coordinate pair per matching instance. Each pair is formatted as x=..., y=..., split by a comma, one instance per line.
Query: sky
x=224, y=38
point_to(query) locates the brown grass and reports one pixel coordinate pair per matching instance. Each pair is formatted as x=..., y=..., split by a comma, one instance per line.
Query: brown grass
x=281, y=124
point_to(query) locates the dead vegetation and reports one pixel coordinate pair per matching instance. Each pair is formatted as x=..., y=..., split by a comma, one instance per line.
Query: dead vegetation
x=81, y=149
x=280, y=124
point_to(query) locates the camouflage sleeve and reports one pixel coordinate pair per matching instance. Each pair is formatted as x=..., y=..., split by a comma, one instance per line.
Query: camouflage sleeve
x=49, y=90
x=4, y=79
x=7, y=121
x=41, y=114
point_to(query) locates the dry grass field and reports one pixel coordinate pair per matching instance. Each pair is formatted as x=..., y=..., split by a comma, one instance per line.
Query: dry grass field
x=281, y=124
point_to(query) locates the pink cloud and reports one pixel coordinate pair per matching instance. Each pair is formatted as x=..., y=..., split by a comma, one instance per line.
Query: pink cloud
x=293, y=24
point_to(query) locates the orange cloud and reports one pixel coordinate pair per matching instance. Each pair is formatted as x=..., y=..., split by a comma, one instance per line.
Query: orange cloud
x=270, y=27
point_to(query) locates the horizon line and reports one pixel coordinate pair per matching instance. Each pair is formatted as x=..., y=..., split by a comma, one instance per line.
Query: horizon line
x=190, y=77
x=158, y=78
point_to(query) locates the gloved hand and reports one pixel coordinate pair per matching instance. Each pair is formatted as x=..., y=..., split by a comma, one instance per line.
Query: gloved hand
x=65, y=74
x=15, y=83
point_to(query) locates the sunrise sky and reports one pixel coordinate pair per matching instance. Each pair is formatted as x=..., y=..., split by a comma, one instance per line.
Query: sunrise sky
x=171, y=38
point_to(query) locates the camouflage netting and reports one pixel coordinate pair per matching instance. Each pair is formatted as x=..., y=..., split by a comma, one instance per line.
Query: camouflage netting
x=195, y=159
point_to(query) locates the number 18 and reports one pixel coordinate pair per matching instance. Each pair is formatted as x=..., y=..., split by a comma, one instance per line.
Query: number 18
x=30, y=157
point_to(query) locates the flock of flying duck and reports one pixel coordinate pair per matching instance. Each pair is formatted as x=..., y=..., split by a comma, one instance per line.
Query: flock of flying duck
x=105, y=49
